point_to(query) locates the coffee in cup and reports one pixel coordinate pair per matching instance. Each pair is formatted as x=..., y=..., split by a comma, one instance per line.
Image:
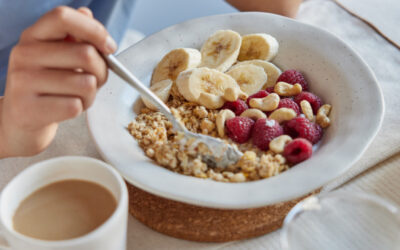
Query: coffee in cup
x=64, y=210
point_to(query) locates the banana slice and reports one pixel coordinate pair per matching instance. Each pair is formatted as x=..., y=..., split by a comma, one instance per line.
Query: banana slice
x=221, y=50
x=258, y=46
x=211, y=101
x=273, y=72
x=251, y=78
x=205, y=86
x=175, y=62
x=162, y=89
x=232, y=94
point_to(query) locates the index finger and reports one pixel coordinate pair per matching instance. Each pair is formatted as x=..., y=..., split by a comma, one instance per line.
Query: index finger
x=63, y=21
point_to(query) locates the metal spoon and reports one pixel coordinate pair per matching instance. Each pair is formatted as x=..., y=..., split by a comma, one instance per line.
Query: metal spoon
x=222, y=154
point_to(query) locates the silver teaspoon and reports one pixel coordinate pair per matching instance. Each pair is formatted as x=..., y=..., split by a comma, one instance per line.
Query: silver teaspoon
x=222, y=154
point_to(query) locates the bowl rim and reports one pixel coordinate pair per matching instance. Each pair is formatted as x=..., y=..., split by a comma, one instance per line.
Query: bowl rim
x=234, y=203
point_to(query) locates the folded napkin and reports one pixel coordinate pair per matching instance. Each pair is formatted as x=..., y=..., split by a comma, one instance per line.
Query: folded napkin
x=383, y=15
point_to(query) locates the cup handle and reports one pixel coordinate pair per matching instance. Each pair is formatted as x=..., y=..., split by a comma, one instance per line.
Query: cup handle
x=310, y=203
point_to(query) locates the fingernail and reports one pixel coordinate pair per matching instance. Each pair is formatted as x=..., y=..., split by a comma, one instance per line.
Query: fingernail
x=86, y=11
x=111, y=45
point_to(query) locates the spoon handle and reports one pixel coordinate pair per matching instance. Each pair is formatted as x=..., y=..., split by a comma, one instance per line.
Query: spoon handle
x=126, y=75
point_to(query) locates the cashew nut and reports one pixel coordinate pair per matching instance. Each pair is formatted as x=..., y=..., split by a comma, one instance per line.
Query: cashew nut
x=277, y=145
x=286, y=89
x=210, y=101
x=307, y=110
x=267, y=103
x=254, y=114
x=322, y=115
x=222, y=116
x=232, y=94
x=283, y=114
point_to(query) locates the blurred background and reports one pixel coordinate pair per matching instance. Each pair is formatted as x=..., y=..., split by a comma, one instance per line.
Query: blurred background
x=148, y=19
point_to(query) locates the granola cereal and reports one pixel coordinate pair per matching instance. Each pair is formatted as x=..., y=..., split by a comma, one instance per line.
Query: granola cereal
x=161, y=143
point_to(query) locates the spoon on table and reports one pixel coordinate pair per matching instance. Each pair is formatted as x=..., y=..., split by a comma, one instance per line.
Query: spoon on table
x=222, y=154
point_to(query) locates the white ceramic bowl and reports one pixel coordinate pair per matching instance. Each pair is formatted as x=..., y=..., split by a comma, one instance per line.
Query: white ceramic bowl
x=335, y=72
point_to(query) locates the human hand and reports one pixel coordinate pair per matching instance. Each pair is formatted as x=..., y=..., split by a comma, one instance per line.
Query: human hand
x=53, y=74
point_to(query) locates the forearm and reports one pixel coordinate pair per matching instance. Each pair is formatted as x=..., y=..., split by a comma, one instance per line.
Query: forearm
x=287, y=8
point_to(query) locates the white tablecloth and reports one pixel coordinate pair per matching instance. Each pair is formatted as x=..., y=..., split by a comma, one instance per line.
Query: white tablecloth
x=73, y=137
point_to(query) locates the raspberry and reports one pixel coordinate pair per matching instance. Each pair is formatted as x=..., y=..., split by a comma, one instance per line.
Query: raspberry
x=302, y=127
x=237, y=106
x=264, y=131
x=239, y=128
x=314, y=100
x=289, y=103
x=293, y=76
x=270, y=89
x=259, y=94
x=297, y=150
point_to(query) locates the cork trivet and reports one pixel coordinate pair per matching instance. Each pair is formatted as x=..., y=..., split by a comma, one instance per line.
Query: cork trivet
x=196, y=223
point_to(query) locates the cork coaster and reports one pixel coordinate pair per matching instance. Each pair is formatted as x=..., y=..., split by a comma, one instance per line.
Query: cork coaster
x=203, y=224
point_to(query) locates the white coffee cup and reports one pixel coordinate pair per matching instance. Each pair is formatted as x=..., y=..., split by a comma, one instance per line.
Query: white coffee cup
x=111, y=235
